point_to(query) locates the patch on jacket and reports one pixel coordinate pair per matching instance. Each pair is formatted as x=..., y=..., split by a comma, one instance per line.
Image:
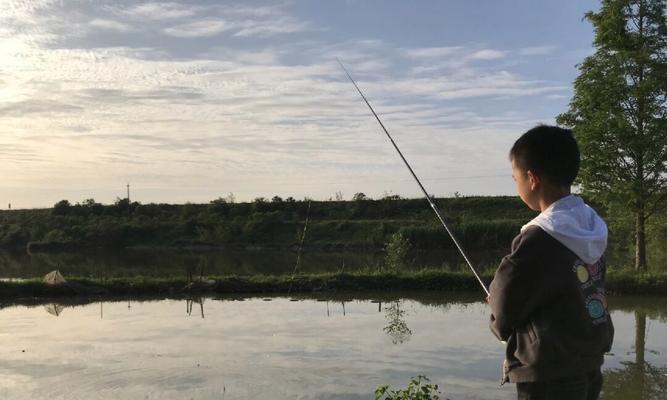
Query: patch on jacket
x=591, y=279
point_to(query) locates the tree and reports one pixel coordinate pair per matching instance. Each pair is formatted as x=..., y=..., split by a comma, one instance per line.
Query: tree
x=122, y=205
x=63, y=207
x=398, y=249
x=359, y=197
x=619, y=112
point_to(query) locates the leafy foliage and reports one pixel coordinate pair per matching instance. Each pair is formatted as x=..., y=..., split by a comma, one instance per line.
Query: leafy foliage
x=619, y=111
x=397, y=250
x=397, y=328
x=481, y=224
x=367, y=224
x=419, y=388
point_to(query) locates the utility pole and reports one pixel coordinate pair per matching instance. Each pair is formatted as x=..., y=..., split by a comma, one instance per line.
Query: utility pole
x=128, y=200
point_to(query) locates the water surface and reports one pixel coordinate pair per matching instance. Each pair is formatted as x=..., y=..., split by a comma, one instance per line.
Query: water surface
x=282, y=348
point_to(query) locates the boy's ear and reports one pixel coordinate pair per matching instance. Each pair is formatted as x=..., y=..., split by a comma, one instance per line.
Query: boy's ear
x=534, y=180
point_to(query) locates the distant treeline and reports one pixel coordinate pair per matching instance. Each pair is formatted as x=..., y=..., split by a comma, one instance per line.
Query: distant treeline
x=479, y=222
x=360, y=224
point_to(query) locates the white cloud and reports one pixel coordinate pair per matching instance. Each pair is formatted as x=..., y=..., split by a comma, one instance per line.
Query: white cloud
x=111, y=25
x=257, y=112
x=200, y=28
x=162, y=11
x=432, y=52
x=271, y=27
x=487, y=54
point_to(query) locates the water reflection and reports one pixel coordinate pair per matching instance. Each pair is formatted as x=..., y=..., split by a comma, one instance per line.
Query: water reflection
x=190, y=302
x=641, y=381
x=396, y=328
x=54, y=309
x=327, y=347
x=637, y=379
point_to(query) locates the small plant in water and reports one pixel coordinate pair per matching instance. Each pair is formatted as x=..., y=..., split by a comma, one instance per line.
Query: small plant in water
x=420, y=388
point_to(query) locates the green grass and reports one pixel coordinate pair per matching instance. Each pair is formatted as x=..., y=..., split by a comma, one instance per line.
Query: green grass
x=630, y=282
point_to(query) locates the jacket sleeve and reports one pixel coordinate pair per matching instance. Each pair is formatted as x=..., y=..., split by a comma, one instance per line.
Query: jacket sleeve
x=517, y=288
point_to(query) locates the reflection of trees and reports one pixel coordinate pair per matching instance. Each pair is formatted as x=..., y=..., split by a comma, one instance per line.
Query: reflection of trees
x=190, y=302
x=396, y=328
x=639, y=379
x=635, y=381
x=54, y=309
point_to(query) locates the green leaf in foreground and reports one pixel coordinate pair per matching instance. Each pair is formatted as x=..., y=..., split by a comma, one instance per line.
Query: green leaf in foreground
x=419, y=388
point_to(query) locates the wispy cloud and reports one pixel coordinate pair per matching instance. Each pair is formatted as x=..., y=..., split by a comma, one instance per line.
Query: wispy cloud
x=432, y=52
x=272, y=27
x=200, y=28
x=195, y=93
x=161, y=10
x=37, y=106
x=111, y=25
x=487, y=54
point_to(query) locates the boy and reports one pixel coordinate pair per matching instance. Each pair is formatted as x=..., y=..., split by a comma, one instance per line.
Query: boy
x=547, y=296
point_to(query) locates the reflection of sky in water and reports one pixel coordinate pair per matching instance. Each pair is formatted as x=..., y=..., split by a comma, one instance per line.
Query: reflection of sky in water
x=257, y=349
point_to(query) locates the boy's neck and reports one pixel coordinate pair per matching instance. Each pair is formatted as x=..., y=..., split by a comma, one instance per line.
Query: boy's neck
x=551, y=196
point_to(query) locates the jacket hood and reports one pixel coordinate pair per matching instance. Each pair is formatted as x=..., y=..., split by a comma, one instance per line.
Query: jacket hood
x=576, y=225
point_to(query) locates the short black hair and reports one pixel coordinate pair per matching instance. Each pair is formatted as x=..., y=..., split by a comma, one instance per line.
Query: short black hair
x=549, y=150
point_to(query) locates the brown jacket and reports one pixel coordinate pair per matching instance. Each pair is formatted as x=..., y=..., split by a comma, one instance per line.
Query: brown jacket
x=551, y=310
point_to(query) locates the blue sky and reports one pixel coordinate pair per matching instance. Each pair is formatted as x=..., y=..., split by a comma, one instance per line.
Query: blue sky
x=189, y=101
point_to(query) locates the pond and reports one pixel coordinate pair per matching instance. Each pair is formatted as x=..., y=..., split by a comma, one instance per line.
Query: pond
x=335, y=347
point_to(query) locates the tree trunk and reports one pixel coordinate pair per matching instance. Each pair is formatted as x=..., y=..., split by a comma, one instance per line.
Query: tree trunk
x=640, y=242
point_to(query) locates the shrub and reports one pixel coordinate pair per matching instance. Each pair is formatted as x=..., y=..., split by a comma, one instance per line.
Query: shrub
x=397, y=250
x=419, y=388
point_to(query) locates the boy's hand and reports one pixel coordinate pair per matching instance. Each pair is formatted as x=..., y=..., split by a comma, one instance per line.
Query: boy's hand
x=488, y=298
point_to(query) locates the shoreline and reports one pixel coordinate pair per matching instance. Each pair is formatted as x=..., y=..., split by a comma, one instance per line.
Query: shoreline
x=617, y=282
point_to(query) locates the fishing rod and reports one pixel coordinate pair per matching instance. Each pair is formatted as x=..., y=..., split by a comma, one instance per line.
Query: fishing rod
x=428, y=198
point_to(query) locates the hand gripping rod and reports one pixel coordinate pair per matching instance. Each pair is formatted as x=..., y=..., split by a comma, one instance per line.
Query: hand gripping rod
x=428, y=198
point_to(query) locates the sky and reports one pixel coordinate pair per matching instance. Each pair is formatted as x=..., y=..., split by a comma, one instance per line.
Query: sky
x=190, y=101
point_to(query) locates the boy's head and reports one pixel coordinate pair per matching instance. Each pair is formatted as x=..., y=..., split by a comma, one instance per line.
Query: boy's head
x=545, y=162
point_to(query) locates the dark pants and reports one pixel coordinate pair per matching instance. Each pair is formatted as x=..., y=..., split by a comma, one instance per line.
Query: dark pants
x=583, y=387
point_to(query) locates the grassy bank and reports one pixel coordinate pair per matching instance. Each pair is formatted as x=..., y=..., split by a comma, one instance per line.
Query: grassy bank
x=428, y=280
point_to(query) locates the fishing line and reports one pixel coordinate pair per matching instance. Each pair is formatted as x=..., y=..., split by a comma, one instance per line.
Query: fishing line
x=428, y=197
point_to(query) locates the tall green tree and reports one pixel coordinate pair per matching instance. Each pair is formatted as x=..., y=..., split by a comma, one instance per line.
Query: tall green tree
x=619, y=112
